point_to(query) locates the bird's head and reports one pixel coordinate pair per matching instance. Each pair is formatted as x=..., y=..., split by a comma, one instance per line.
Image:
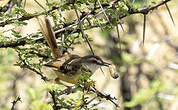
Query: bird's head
x=93, y=62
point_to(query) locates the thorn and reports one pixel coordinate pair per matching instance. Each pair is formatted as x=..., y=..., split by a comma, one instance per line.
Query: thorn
x=170, y=13
x=144, y=27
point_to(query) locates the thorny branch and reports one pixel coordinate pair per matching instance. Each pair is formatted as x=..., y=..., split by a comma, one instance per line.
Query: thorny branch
x=23, y=18
x=15, y=102
x=93, y=89
x=67, y=27
x=82, y=31
x=146, y=10
x=25, y=65
x=44, y=78
x=107, y=97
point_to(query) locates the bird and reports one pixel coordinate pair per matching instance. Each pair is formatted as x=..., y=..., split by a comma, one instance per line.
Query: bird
x=73, y=67
x=69, y=67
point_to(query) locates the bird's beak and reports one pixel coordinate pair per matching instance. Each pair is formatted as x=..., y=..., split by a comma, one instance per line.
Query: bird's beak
x=106, y=64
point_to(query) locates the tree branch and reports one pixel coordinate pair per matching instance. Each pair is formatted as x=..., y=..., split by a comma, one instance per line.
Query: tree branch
x=67, y=27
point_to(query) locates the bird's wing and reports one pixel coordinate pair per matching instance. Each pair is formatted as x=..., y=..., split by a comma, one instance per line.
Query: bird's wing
x=71, y=66
x=67, y=64
x=58, y=62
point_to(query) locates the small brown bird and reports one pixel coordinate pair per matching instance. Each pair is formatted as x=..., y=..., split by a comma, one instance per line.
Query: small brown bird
x=68, y=68
x=73, y=67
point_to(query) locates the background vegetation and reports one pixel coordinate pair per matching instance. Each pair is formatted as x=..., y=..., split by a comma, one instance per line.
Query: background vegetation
x=112, y=29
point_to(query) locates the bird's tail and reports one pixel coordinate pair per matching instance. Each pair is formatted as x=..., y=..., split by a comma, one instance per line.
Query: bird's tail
x=47, y=31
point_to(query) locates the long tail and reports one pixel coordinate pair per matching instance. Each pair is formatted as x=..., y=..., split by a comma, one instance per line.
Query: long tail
x=48, y=32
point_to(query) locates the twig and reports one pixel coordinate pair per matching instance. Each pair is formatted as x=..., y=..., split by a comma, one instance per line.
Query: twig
x=121, y=26
x=15, y=102
x=25, y=65
x=6, y=7
x=94, y=105
x=53, y=95
x=81, y=29
x=104, y=11
x=62, y=45
x=107, y=97
x=39, y=4
x=91, y=100
x=76, y=29
x=145, y=10
x=44, y=78
x=23, y=18
x=118, y=35
x=100, y=25
x=169, y=13
x=14, y=84
x=58, y=107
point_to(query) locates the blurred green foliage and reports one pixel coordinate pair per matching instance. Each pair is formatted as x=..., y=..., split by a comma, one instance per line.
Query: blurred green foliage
x=146, y=95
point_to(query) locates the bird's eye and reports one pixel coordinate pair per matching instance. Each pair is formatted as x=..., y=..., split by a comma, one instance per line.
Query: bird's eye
x=94, y=61
x=98, y=62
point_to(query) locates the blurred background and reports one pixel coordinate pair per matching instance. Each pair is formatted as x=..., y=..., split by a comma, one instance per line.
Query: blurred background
x=147, y=74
